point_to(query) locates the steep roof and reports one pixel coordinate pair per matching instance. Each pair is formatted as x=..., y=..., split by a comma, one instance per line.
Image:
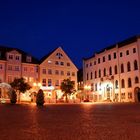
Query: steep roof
x=120, y=44
x=5, y=49
x=47, y=55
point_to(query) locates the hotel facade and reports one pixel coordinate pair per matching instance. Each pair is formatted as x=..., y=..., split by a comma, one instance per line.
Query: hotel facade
x=113, y=74
x=47, y=73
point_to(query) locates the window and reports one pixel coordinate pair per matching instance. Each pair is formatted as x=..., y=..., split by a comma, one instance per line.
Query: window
x=86, y=65
x=49, y=61
x=62, y=72
x=9, y=79
x=116, y=84
x=31, y=69
x=10, y=56
x=98, y=60
x=9, y=67
x=136, y=80
x=25, y=68
x=92, y=87
x=62, y=63
x=28, y=59
x=99, y=73
x=68, y=64
x=128, y=67
x=57, y=83
x=1, y=66
x=96, y=87
x=129, y=95
x=49, y=71
x=115, y=69
x=134, y=50
x=44, y=71
x=129, y=82
x=94, y=62
x=109, y=57
x=73, y=73
x=122, y=68
x=87, y=76
x=127, y=52
x=121, y=54
x=103, y=58
x=95, y=74
x=110, y=71
x=43, y=82
x=135, y=65
x=104, y=72
x=49, y=82
x=122, y=95
x=17, y=57
x=59, y=55
x=91, y=75
x=56, y=63
x=90, y=64
x=123, y=83
x=17, y=68
x=56, y=72
x=115, y=55
x=68, y=73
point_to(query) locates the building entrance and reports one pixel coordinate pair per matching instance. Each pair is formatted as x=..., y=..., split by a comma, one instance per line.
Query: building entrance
x=137, y=94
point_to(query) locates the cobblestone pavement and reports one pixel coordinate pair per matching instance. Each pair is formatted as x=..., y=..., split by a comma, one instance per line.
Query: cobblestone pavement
x=70, y=122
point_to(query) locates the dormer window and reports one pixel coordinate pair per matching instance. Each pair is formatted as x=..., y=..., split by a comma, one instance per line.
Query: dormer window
x=28, y=58
x=10, y=56
x=17, y=57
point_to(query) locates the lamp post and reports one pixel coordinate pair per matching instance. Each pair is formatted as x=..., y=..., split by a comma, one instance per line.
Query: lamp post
x=87, y=89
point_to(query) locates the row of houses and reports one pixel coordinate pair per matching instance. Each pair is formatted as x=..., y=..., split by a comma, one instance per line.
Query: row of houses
x=47, y=73
x=113, y=74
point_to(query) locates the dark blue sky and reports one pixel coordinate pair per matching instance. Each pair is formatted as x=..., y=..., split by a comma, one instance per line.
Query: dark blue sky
x=82, y=27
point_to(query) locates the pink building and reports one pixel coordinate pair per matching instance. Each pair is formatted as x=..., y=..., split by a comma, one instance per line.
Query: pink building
x=113, y=74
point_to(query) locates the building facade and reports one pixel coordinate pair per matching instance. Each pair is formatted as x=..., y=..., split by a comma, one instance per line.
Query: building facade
x=113, y=74
x=54, y=68
x=47, y=74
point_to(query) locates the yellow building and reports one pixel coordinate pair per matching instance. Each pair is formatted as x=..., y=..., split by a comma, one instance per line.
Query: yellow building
x=53, y=69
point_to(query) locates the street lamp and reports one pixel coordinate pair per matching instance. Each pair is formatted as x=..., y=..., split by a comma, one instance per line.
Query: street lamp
x=87, y=89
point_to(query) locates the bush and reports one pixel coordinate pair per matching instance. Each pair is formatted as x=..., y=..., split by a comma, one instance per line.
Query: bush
x=13, y=97
x=40, y=98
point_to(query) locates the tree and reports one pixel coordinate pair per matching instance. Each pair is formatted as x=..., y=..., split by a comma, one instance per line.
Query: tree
x=40, y=98
x=13, y=97
x=67, y=86
x=19, y=85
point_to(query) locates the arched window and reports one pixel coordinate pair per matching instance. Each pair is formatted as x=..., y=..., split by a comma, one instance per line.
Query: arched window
x=104, y=71
x=115, y=69
x=91, y=75
x=128, y=66
x=99, y=73
x=110, y=71
x=129, y=82
x=116, y=84
x=123, y=83
x=122, y=68
x=136, y=80
x=87, y=76
x=135, y=65
x=95, y=74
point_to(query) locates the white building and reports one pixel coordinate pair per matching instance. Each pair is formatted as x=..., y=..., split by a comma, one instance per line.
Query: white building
x=113, y=74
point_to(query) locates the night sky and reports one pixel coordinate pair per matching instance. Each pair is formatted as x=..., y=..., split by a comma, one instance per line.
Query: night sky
x=81, y=27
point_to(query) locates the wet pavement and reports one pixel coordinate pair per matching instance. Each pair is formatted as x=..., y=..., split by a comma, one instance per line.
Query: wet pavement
x=70, y=122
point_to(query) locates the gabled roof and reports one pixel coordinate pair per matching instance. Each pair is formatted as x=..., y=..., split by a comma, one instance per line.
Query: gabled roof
x=47, y=55
x=120, y=44
x=5, y=49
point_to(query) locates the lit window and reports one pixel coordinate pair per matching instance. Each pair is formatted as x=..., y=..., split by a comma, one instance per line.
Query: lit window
x=129, y=95
x=49, y=62
x=49, y=82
